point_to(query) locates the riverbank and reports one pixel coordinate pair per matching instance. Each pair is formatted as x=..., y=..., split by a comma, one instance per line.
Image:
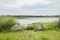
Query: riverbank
x=49, y=33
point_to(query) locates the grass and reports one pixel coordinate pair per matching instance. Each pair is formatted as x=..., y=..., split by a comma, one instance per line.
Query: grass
x=6, y=23
x=46, y=26
x=47, y=34
x=50, y=25
x=31, y=35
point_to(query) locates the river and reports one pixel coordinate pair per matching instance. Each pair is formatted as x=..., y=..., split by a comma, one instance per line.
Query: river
x=34, y=20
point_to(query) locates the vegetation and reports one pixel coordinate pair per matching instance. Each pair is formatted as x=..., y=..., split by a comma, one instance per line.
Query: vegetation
x=50, y=25
x=35, y=27
x=30, y=16
x=46, y=26
x=59, y=23
x=31, y=35
x=6, y=23
x=28, y=33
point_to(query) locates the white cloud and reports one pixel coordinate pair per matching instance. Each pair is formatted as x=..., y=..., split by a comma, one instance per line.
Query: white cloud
x=11, y=4
x=35, y=2
x=15, y=7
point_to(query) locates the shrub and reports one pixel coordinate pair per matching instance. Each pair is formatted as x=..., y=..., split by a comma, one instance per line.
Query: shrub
x=59, y=23
x=35, y=26
x=30, y=27
x=45, y=26
x=50, y=25
x=44, y=38
x=6, y=23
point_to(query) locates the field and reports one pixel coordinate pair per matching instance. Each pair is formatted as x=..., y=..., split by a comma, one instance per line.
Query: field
x=31, y=32
x=31, y=35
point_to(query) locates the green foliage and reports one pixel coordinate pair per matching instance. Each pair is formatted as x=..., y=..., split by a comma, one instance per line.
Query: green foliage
x=31, y=35
x=6, y=23
x=50, y=25
x=46, y=26
x=30, y=27
x=34, y=26
x=44, y=38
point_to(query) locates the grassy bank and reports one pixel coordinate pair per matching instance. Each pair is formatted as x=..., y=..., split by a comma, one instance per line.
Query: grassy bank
x=6, y=23
x=31, y=35
x=46, y=26
x=50, y=32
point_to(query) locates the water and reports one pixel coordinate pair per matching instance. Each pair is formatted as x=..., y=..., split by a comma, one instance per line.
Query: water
x=34, y=20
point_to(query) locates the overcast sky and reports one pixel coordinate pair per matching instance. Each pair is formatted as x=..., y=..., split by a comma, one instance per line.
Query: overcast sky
x=29, y=7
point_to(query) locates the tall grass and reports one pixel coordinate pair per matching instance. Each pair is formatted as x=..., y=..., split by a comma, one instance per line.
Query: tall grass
x=46, y=26
x=50, y=25
x=34, y=26
x=31, y=35
x=6, y=23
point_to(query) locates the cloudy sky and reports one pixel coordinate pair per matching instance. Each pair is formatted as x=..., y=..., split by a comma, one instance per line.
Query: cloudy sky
x=29, y=7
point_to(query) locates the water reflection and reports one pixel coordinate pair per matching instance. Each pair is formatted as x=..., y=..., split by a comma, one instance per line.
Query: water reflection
x=34, y=20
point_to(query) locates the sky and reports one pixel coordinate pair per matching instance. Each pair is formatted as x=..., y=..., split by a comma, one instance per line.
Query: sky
x=29, y=7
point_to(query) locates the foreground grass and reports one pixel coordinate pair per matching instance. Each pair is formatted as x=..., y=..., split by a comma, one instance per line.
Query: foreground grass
x=31, y=35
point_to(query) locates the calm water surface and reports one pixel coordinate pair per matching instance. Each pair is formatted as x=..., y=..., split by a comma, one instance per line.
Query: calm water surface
x=34, y=20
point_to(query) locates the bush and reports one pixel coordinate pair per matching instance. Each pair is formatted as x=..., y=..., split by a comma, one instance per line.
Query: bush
x=30, y=27
x=35, y=27
x=50, y=25
x=46, y=26
x=59, y=23
x=6, y=23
